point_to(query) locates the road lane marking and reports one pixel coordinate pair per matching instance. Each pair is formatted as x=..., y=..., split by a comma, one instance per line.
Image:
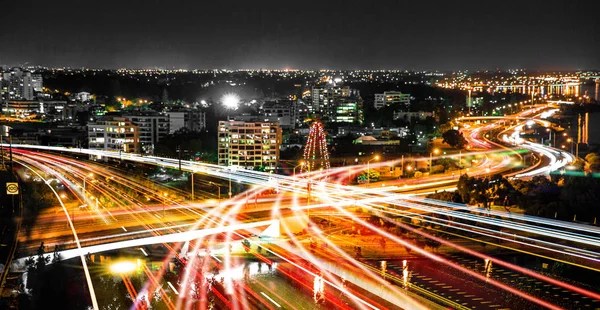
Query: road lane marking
x=271, y=299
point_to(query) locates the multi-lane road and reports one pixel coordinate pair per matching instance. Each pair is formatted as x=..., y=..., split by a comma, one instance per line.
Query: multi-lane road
x=101, y=205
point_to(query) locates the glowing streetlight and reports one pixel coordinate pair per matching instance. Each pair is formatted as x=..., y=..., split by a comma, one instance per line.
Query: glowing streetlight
x=435, y=151
x=230, y=101
x=302, y=163
x=123, y=267
x=90, y=175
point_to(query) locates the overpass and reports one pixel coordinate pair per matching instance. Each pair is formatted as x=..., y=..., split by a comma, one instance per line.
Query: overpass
x=507, y=117
x=272, y=230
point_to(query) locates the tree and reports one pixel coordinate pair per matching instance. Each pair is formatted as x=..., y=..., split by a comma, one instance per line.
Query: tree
x=454, y=138
x=373, y=175
x=593, y=162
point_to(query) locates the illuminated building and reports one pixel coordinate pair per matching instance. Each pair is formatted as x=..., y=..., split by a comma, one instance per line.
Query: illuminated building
x=18, y=84
x=114, y=133
x=25, y=108
x=348, y=110
x=323, y=98
x=249, y=144
x=152, y=127
x=390, y=98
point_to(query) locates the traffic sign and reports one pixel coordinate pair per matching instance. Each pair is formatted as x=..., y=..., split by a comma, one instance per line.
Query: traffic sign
x=12, y=188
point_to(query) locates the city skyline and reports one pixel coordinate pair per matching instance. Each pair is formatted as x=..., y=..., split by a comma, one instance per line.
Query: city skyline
x=300, y=155
x=431, y=35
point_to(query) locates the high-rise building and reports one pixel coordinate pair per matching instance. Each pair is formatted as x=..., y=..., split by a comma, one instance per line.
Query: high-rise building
x=282, y=112
x=37, y=82
x=18, y=84
x=250, y=145
x=392, y=98
x=152, y=126
x=113, y=133
x=348, y=110
x=191, y=119
x=323, y=98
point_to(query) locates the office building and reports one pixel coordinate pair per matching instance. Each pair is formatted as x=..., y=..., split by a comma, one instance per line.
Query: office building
x=323, y=98
x=114, y=133
x=348, y=110
x=251, y=145
x=392, y=98
x=152, y=128
x=29, y=108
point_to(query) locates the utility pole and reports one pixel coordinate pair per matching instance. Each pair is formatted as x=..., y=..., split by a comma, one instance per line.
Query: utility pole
x=179, y=152
x=192, y=185
x=402, y=161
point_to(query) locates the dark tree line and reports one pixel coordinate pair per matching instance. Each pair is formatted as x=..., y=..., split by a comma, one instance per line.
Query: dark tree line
x=565, y=197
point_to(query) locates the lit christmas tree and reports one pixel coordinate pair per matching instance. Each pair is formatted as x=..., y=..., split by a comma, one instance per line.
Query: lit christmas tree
x=316, y=154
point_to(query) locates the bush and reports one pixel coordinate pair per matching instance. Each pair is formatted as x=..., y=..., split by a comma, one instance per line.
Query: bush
x=438, y=169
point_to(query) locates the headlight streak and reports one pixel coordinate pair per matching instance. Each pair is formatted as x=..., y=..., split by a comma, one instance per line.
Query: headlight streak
x=81, y=255
x=254, y=178
x=451, y=264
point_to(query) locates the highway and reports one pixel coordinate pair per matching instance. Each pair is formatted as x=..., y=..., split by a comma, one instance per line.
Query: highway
x=104, y=206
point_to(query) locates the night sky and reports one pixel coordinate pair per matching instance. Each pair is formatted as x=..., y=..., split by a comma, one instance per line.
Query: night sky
x=367, y=34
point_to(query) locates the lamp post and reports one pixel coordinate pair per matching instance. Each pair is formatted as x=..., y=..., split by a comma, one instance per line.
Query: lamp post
x=193, y=172
x=369, y=169
x=84, y=178
x=571, y=141
x=164, y=202
x=301, y=164
x=436, y=151
x=459, y=161
x=218, y=187
x=229, y=193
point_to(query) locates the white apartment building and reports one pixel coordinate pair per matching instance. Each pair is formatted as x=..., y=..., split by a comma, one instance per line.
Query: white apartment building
x=152, y=128
x=18, y=84
x=249, y=144
x=389, y=98
x=323, y=98
x=114, y=134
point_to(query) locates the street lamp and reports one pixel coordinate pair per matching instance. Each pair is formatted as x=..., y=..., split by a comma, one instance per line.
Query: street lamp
x=436, y=151
x=229, y=193
x=164, y=202
x=571, y=141
x=193, y=172
x=84, y=178
x=301, y=164
x=369, y=169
